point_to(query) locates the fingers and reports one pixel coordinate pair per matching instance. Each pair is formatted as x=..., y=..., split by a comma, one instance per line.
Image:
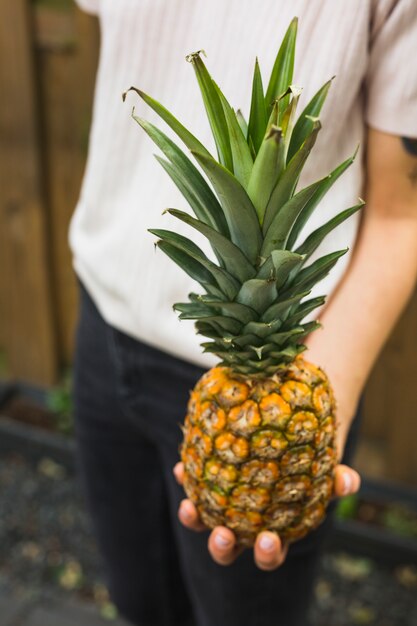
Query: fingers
x=269, y=552
x=187, y=513
x=188, y=516
x=346, y=481
x=179, y=472
x=221, y=543
x=222, y=546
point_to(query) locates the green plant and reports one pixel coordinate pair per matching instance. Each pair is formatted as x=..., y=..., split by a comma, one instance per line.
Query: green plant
x=59, y=400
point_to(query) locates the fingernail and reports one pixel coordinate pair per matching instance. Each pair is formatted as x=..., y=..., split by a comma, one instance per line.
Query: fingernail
x=266, y=543
x=185, y=513
x=221, y=541
x=347, y=482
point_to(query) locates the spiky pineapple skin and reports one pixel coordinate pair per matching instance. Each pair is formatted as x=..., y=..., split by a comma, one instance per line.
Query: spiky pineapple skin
x=259, y=454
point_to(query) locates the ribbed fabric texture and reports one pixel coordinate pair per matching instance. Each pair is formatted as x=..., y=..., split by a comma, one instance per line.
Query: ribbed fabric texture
x=370, y=46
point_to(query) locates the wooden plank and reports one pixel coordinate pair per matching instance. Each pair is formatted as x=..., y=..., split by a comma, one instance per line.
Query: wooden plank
x=27, y=308
x=390, y=408
x=401, y=416
x=377, y=398
x=54, y=27
x=66, y=82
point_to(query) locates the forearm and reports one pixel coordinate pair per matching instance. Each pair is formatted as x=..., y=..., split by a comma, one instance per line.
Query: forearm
x=362, y=312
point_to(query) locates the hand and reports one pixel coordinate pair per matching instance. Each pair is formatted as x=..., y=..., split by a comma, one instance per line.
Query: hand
x=269, y=551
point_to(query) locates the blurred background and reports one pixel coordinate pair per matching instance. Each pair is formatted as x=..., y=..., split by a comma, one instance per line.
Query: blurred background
x=48, y=561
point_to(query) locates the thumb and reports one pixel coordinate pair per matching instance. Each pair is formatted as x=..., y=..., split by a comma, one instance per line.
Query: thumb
x=346, y=481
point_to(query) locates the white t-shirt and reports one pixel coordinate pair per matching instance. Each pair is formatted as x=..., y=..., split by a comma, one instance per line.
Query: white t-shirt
x=371, y=47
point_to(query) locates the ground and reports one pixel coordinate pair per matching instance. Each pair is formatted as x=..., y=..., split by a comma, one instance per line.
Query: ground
x=51, y=573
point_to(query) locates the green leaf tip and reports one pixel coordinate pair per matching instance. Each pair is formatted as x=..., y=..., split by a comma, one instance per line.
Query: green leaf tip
x=282, y=71
x=190, y=58
x=275, y=132
x=135, y=89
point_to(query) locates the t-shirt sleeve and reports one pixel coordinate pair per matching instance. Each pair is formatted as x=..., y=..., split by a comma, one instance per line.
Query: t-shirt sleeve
x=89, y=6
x=391, y=81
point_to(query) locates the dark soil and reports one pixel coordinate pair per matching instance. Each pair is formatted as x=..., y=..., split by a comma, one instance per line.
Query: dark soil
x=354, y=590
x=46, y=546
x=27, y=411
x=396, y=517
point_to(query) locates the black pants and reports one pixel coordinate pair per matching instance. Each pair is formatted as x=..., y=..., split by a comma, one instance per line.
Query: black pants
x=130, y=400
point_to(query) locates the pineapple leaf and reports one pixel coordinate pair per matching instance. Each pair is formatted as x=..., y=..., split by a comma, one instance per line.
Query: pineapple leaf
x=183, y=133
x=259, y=350
x=286, y=185
x=261, y=329
x=226, y=282
x=220, y=343
x=287, y=119
x=302, y=310
x=206, y=205
x=233, y=258
x=199, y=297
x=177, y=176
x=192, y=311
x=222, y=323
x=279, y=339
x=214, y=347
x=277, y=234
x=241, y=155
x=192, y=267
x=242, y=123
x=282, y=72
x=284, y=264
x=214, y=110
x=206, y=330
x=266, y=170
x=304, y=124
x=251, y=147
x=215, y=291
x=278, y=266
x=258, y=117
x=314, y=273
x=320, y=193
x=257, y=293
x=253, y=352
x=290, y=352
x=279, y=309
x=238, y=209
x=181, y=242
x=231, y=358
x=238, y=311
x=245, y=340
x=259, y=366
x=310, y=327
x=314, y=240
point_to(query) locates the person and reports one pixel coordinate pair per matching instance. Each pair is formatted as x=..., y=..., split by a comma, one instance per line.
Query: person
x=135, y=363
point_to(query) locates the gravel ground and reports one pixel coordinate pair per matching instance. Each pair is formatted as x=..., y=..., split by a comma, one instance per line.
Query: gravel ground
x=46, y=548
x=352, y=590
x=46, y=544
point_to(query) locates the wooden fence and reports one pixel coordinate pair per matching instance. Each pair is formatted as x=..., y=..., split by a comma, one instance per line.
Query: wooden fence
x=48, y=57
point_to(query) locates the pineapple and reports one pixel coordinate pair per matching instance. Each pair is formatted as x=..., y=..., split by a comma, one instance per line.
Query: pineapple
x=259, y=436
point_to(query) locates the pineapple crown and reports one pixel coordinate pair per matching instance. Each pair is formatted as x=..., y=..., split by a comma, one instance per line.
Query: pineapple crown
x=255, y=296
